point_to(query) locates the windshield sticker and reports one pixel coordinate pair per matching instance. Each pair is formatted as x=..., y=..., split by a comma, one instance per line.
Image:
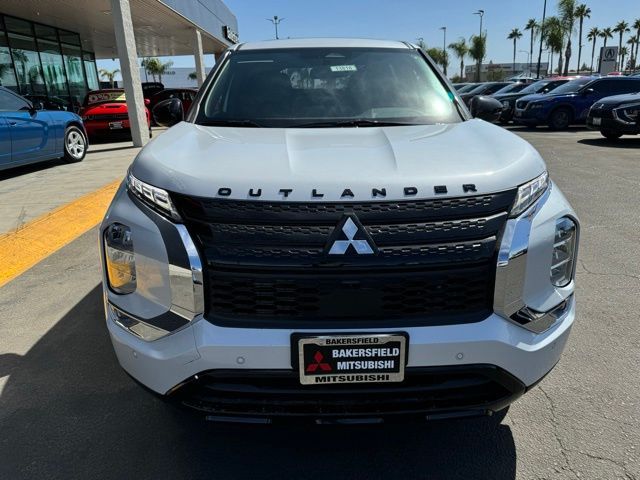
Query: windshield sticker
x=343, y=68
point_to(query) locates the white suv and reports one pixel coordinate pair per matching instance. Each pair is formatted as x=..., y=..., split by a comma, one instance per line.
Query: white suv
x=329, y=234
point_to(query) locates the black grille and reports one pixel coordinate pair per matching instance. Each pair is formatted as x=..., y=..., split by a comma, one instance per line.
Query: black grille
x=266, y=262
x=278, y=393
x=522, y=104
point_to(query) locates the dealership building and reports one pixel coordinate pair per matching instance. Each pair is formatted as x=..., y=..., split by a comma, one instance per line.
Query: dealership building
x=49, y=48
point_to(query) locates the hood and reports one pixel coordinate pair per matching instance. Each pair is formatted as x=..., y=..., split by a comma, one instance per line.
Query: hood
x=616, y=100
x=508, y=96
x=201, y=160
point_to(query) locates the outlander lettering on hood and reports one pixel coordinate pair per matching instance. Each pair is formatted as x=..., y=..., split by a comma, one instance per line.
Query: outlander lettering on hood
x=348, y=193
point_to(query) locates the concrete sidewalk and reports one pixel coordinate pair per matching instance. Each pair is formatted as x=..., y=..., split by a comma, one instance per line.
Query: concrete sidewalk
x=31, y=191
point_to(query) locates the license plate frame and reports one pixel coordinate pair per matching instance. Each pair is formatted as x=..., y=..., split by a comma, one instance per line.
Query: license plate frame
x=596, y=121
x=329, y=369
x=116, y=125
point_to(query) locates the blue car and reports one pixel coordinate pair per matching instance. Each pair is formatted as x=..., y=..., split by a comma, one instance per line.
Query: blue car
x=570, y=103
x=28, y=135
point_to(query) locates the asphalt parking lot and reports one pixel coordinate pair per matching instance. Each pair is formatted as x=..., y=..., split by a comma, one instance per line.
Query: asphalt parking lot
x=68, y=411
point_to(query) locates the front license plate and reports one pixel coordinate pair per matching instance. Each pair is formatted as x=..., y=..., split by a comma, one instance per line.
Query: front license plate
x=376, y=358
x=116, y=125
x=597, y=121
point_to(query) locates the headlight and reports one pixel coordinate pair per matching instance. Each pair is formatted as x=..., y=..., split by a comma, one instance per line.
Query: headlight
x=564, y=252
x=506, y=104
x=529, y=193
x=155, y=197
x=119, y=259
x=628, y=113
x=534, y=106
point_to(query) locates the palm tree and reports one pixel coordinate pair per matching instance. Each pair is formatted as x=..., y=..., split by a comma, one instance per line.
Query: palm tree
x=108, y=74
x=582, y=12
x=592, y=36
x=461, y=50
x=514, y=35
x=567, y=12
x=533, y=26
x=606, y=33
x=477, y=51
x=621, y=28
x=438, y=56
x=634, y=47
x=623, y=53
x=554, y=38
x=636, y=25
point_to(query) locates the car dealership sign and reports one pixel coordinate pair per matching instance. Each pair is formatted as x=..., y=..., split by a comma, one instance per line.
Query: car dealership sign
x=608, y=57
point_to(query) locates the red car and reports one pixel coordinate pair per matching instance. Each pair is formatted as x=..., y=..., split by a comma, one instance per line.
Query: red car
x=104, y=113
x=186, y=95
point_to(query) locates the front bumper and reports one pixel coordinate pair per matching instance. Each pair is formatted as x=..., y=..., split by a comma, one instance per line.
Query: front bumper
x=613, y=125
x=199, y=349
x=529, y=117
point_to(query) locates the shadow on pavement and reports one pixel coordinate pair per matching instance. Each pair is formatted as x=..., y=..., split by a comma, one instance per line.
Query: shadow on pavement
x=69, y=411
x=624, y=142
x=30, y=168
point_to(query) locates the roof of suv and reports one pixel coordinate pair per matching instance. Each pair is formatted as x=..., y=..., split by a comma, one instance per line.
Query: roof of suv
x=322, y=42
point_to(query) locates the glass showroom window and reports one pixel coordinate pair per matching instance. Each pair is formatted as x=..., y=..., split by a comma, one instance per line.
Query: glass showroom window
x=25, y=57
x=7, y=74
x=53, y=69
x=90, y=70
x=75, y=74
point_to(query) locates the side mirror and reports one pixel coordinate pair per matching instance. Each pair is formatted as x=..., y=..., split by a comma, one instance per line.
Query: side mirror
x=485, y=108
x=168, y=112
x=588, y=91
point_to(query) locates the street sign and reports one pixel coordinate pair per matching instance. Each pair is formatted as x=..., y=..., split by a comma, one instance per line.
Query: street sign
x=608, y=58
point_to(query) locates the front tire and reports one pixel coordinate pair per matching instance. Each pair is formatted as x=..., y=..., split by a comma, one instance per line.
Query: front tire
x=610, y=135
x=560, y=119
x=75, y=145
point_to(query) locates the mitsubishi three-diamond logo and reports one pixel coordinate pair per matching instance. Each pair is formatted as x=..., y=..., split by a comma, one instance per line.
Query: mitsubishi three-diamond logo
x=350, y=237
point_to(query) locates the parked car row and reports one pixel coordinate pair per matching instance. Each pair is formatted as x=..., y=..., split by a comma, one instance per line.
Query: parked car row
x=609, y=104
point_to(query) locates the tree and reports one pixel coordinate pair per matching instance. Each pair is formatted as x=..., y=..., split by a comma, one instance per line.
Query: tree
x=109, y=75
x=155, y=67
x=461, y=50
x=567, y=12
x=554, y=39
x=621, y=28
x=531, y=25
x=606, y=33
x=514, y=35
x=592, y=36
x=636, y=25
x=633, y=43
x=623, y=53
x=582, y=12
x=438, y=55
x=477, y=51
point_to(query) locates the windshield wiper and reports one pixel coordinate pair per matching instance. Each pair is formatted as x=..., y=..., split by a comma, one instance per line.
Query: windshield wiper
x=356, y=122
x=230, y=123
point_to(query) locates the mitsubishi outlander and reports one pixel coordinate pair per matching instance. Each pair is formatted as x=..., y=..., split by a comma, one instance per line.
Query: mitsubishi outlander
x=330, y=234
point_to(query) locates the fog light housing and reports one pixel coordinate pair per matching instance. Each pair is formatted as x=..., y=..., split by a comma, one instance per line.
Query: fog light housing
x=564, y=252
x=119, y=259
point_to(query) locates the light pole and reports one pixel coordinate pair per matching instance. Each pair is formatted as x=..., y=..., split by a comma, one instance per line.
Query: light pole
x=276, y=21
x=544, y=14
x=444, y=50
x=481, y=14
x=528, y=59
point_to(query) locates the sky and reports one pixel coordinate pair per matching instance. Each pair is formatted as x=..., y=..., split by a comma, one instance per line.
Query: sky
x=411, y=19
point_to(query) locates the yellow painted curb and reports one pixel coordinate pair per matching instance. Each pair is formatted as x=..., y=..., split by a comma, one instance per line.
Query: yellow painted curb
x=21, y=249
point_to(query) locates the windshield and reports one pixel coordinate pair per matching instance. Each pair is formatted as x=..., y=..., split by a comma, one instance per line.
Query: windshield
x=512, y=88
x=467, y=88
x=573, y=86
x=536, y=87
x=326, y=87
